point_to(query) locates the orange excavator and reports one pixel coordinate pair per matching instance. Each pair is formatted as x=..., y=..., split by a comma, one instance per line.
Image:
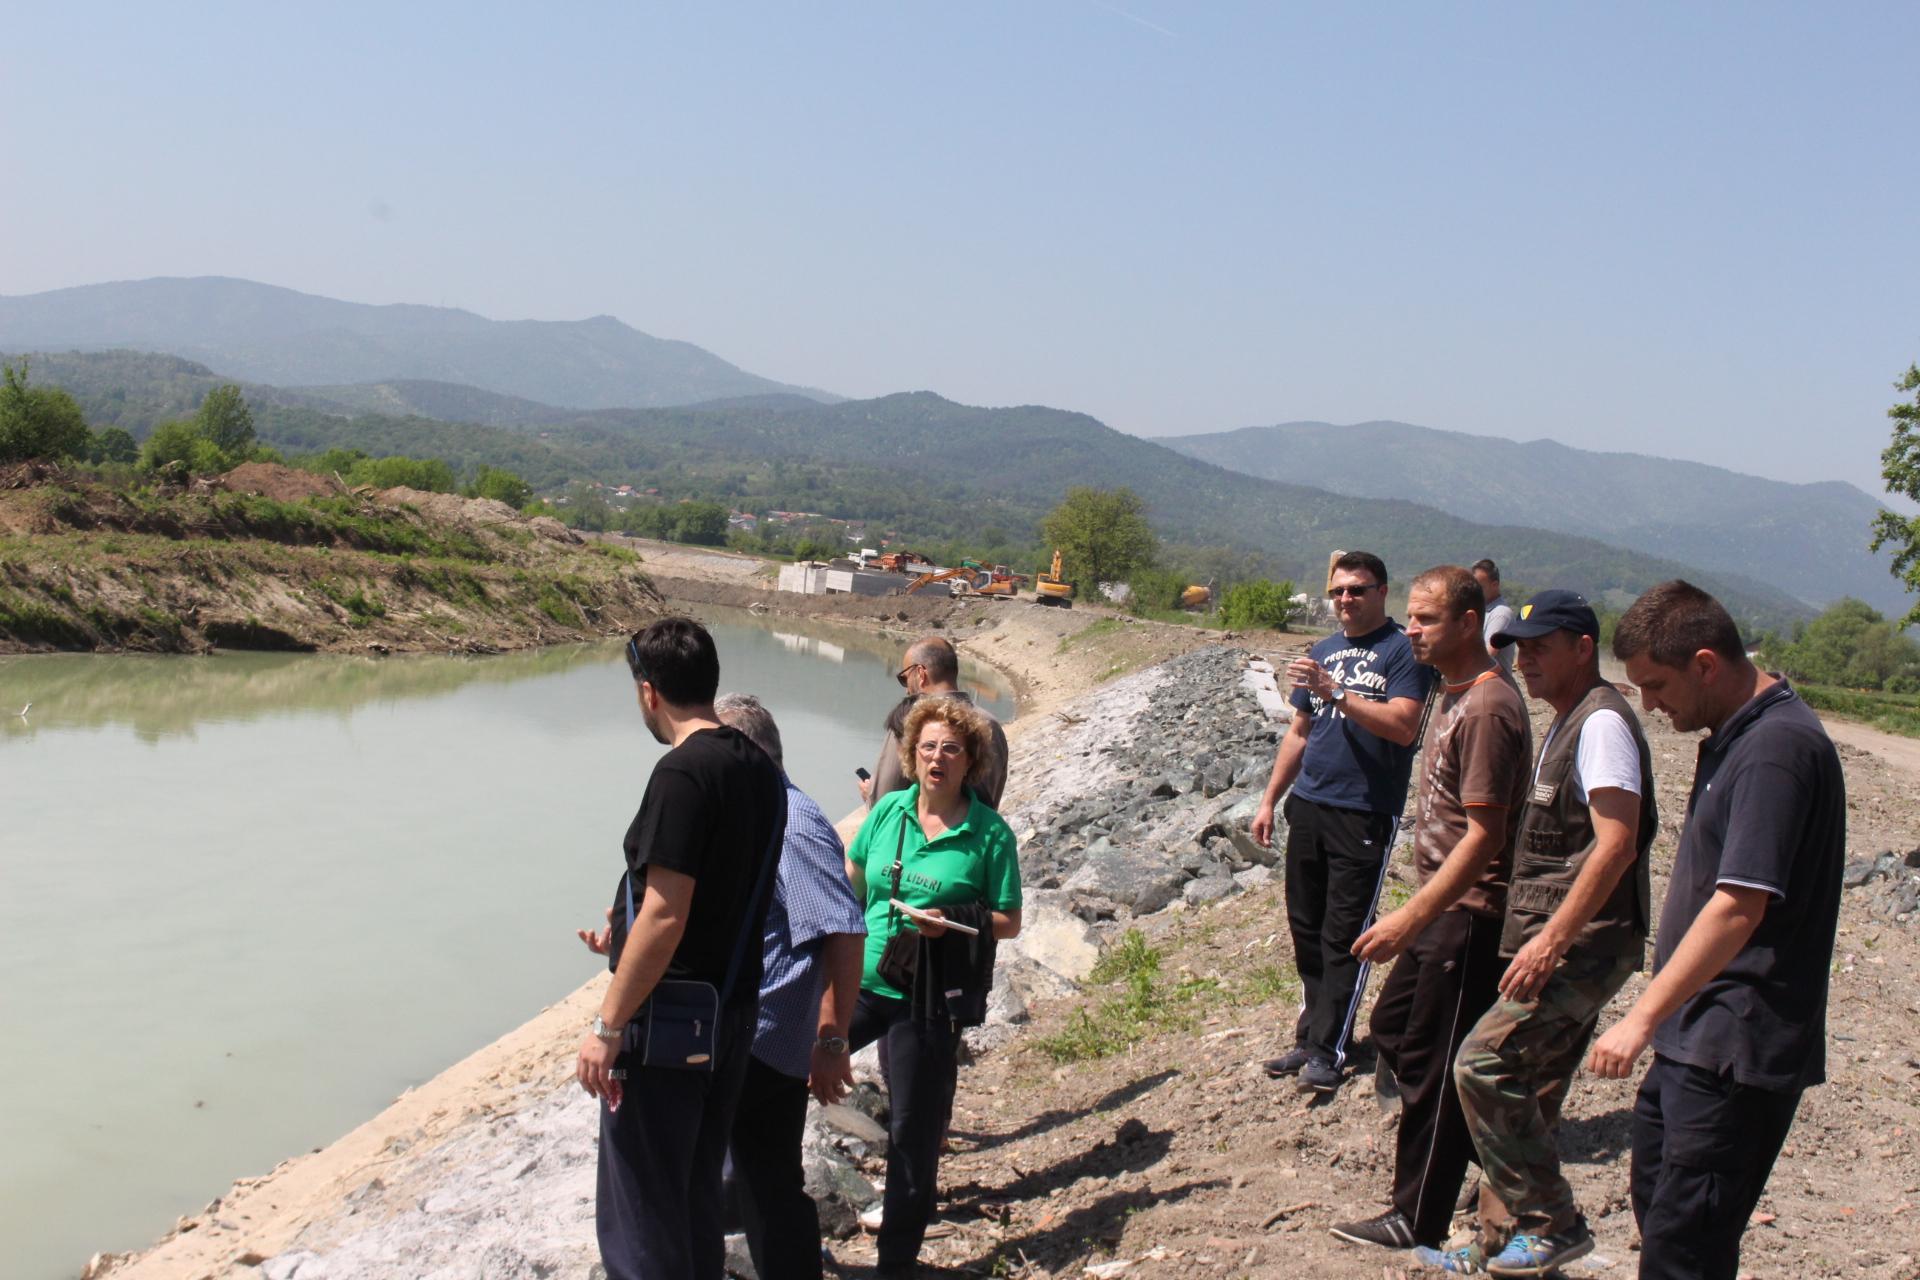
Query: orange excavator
x=1052, y=588
x=972, y=578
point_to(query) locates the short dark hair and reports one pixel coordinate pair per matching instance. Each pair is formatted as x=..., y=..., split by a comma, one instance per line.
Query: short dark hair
x=1456, y=587
x=1672, y=622
x=936, y=654
x=676, y=656
x=1372, y=563
x=1487, y=567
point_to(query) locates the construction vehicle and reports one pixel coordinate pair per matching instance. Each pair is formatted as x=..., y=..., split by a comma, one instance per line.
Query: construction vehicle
x=1052, y=588
x=1196, y=598
x=972, y=578
x=962, y=579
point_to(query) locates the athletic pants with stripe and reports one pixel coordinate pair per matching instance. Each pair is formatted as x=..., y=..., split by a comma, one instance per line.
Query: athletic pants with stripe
x=1336, y=860
x=1435, y=994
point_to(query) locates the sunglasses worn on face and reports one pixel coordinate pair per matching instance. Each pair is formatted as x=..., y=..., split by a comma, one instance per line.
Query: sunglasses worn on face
x=1334, y=593
x=949, y=750
x=901, y=674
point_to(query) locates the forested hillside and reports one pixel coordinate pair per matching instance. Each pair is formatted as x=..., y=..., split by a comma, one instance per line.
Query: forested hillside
x=263, y=333
x=1808, y=539
x=930, y=468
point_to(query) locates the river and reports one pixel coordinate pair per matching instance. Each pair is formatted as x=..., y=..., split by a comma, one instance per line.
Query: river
x=247, y=899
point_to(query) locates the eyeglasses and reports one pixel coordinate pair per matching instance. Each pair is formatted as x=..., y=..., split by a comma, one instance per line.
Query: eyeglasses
x=1334, y=593
x=946, y=750
x=901, y=674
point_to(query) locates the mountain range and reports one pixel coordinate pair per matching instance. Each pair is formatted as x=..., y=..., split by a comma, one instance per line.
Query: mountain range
x=1808, y=539
x=263, y=333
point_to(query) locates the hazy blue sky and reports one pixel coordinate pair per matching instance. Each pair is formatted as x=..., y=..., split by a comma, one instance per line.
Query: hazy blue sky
x=1678, y=229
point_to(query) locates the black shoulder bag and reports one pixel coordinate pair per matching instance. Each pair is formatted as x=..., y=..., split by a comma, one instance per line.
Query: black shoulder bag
x=899, y=961
x=678, y=1026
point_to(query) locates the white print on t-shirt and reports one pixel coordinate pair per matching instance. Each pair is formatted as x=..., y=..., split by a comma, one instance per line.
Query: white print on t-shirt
x=1358, y=679
x=1606, y=756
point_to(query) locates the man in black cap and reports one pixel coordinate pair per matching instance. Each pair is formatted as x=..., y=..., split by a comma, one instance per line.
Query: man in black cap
x=1576, y=926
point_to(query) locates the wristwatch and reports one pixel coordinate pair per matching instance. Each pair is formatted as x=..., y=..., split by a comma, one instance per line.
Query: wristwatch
x=832, y=1044
x=605, y=1032
x=1339, y=693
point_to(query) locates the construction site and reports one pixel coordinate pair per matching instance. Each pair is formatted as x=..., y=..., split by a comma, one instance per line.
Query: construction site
x=889, y=573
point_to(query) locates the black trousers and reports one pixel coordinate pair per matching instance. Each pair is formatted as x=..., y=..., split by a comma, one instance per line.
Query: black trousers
x=1437, y=990
x=659, y=1207
x=766, y=1186
x=923, y=1072
x=1336, y=860
x=1703, y=1147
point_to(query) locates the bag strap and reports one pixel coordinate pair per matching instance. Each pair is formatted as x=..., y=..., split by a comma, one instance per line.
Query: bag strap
x=747, y=930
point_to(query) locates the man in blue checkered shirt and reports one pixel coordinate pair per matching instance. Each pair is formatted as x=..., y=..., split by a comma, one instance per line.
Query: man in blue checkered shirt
x=814, y=941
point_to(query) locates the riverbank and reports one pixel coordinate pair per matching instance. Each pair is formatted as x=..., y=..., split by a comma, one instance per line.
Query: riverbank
x=1116, y=1117
x=267, y=557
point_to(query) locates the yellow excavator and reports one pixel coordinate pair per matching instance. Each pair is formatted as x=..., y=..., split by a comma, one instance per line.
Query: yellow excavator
x=1051, y=588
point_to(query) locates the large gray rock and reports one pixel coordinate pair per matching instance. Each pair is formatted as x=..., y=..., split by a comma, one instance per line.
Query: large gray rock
x=1141, y=880
x=1209, y=889
x=1054, y=938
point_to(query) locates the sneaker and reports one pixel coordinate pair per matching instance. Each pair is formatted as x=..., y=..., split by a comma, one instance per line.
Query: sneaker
x=1390, y=1229
x=1531, y=1255
x=871, y=1219
x=1467, y=1260
x=1288, y=1063
x=1319, y=1076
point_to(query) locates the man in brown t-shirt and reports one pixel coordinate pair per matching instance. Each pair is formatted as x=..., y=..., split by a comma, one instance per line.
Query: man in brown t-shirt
x=1446, y=938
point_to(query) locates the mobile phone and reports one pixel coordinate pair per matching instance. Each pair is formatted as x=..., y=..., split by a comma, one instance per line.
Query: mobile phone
x=862, y=774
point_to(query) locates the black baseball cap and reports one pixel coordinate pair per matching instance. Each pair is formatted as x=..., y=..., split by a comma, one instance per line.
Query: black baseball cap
x=1550, y=611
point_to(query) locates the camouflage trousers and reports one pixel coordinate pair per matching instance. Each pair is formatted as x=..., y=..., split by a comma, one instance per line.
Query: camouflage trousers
x=1512, y=1074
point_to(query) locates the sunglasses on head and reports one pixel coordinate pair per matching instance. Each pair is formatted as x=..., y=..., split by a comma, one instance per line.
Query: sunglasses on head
x=1334, y=593
x=633, y=660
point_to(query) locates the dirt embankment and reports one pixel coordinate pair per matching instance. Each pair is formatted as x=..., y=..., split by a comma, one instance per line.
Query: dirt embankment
x=268, y=557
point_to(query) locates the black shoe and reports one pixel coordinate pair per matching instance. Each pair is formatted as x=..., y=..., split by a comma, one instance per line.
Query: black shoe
x=1288, y=1063
x=1391, y=1229
x=1318, y=1076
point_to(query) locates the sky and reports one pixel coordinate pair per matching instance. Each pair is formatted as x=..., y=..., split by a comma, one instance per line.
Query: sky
x=1683, y=230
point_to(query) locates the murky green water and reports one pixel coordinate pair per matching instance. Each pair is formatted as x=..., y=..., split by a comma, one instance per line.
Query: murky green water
x=245, y=900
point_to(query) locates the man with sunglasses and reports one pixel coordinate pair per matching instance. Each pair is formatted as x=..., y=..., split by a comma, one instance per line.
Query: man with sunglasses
x=931, y=668
x=1346, y=759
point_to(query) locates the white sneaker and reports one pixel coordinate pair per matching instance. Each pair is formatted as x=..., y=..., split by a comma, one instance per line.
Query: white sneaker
x=871, y=1219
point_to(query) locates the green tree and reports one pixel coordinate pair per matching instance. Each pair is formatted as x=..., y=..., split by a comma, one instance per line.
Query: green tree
x=1257, y=604
x=1900, y=468
x=501, y=484
x=181, y=441
x=1850, y=645
x=427, y=474
x=701, y=522
x=114, y=444
x=1102, y=535
x=1152, y=590
x=225, y=420
x=39, y=422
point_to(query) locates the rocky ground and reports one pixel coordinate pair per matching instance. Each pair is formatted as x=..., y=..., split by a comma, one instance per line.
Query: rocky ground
x=269, y=557
x=1113, y=1118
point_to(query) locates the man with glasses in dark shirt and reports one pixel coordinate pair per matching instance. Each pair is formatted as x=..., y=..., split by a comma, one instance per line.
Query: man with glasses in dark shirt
x=1346, y=759
x=1736, y=1012
x=931, y=667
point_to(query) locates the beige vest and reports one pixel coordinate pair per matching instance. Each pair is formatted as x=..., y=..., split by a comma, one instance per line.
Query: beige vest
x=1556, y=835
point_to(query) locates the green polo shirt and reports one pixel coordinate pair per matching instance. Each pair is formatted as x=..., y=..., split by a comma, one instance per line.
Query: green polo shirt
x=977, y=861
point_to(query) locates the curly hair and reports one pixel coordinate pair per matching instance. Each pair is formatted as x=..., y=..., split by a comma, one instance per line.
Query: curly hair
x=968, y=723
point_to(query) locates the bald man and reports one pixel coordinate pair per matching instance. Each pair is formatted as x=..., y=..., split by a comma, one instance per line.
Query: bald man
x=931, y=668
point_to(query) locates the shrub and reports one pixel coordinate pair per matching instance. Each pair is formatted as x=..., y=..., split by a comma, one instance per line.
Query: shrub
x=1257, y=604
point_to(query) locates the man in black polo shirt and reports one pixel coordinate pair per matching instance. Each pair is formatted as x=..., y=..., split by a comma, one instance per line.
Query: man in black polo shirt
x=1737, y=1008
x=691, y=906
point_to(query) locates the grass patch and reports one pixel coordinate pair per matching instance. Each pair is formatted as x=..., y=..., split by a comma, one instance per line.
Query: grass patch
x=1895, y=712
x=1092, y=631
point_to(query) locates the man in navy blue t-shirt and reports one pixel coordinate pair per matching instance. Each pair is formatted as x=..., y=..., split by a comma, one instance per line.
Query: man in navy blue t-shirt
x=1737, y=1009
x=1347, y=756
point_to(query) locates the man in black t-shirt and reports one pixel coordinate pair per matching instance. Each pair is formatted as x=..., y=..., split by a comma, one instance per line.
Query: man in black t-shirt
x=1737, y=1009
x=692, y=905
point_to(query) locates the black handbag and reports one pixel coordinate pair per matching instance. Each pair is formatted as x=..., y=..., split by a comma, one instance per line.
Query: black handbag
x=899, y=962
x=678, y=1026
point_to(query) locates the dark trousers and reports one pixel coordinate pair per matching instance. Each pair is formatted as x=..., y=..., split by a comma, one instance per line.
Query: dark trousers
x=1702, y=1149
x=766, y=1186
x=1336, y=860
x=923, y=1072
x=1437, y=990
x=659, y=1206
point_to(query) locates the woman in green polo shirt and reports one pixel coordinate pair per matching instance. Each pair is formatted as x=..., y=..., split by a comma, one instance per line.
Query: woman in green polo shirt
x=953, y=850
